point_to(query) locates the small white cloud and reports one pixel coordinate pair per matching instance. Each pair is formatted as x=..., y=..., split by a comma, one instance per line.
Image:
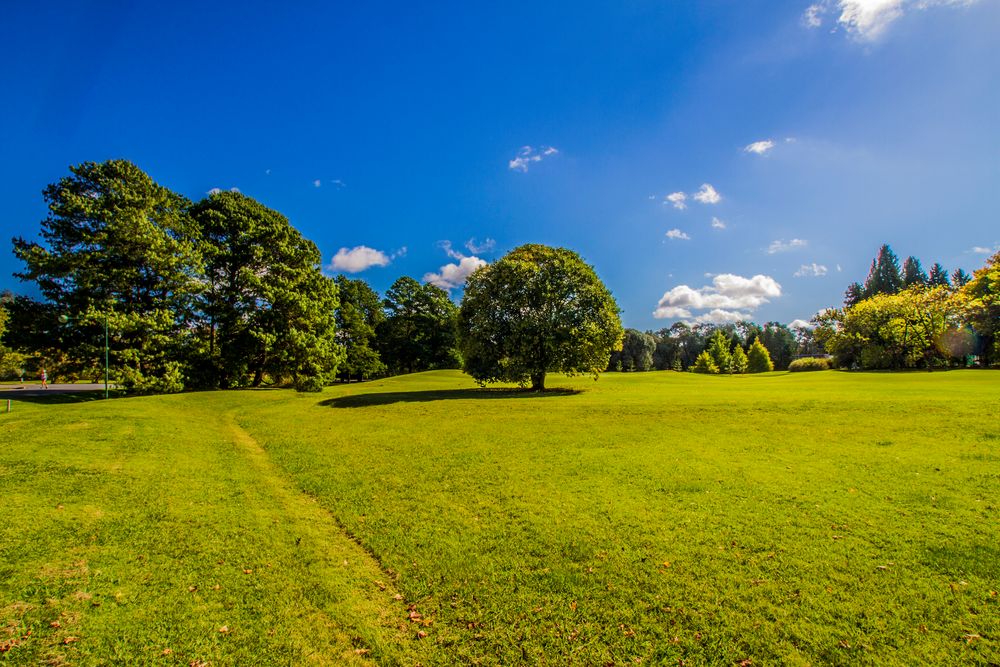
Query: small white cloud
x=401, y=252
x=707, y=195
x=476, y=248
x=234, y=189
x=718, y=224
x=982, y=250
x=678, y=235
x=813, y=269
x=868, y=20
x=677, y=199
x=358, y=259
x=317, y=183
x=801, y=324
x=451, y=276
x=839, y=269
x=528, y=155
x=652, y=197
x=339, y=183
x=812, y=18
x=781, y=246
x=214, y=191
x=759, y=147
x=729, y=295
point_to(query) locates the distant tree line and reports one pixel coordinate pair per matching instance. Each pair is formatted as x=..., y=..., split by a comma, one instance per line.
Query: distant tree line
x=225, y=293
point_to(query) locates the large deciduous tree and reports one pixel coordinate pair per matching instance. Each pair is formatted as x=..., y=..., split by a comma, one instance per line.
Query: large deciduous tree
x=535, y=311
x=267, y=308
x=117, y=245
x=419, y=332
x=979, y=303
x=636, y=353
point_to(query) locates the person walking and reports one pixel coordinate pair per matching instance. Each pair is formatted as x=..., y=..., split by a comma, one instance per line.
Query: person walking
x=45, y=379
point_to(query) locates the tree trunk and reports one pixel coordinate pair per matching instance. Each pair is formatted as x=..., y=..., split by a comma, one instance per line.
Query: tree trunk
x=538, y=382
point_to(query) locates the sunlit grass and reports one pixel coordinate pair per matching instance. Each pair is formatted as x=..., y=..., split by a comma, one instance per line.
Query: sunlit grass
x=784, y=519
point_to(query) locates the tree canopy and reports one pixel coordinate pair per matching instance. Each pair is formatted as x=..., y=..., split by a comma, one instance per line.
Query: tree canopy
x=535, y=311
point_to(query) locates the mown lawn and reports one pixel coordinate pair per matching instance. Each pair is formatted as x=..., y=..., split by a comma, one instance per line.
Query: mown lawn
x=779, y=519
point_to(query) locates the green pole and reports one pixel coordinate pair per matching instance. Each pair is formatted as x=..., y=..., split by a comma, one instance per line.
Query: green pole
x=105, y=356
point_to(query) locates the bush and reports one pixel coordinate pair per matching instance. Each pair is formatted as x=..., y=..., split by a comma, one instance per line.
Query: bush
x=705, y=364
x=810, y=364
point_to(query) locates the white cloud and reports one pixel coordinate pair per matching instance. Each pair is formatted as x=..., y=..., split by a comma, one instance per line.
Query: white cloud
x=527, y=155
x=359, y=258
x=813, y=269
x=867, y=20
x=678, y=235
x=801, y=324
x=677, y=199
x=759, y=147
x=718, y=224
x=720, y=316
x=339, y=183
x=475, y=248
x=317, y=183
x=214, y=191
x=707, y=195
x=725, y=298
x=454, y=275
x=781, y=246
x=839, y=269
x=981, y=250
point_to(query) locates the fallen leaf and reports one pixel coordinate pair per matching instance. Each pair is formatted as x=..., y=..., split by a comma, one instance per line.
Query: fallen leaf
x=361, y=651
x=55, y=624
x=397, y=597
x=247, y=571
x=70, y=640
x=192, y=589
x=166, y=651
x=421, y=634
x=969, y=637
x=746, y=663
x=572, y=605
x=843, y=644
x=380, y=585
x=216, y=587
x=224, y=629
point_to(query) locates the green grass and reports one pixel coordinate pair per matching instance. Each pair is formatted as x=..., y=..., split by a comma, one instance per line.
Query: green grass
x=785, y=519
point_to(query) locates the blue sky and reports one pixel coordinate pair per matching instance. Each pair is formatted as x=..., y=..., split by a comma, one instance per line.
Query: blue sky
x=400, y=133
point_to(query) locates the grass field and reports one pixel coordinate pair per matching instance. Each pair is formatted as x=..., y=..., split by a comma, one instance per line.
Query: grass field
x=815, y=518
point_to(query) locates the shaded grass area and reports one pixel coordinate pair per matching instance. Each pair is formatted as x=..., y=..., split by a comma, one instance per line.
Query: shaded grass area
x=785, y=519
x=154, y=530
x=823, y=518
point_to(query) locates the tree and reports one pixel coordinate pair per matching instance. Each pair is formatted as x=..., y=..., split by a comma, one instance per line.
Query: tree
x=267, y=308
x=855, y=292
x=780, y=343
x=636, y=353
x=893, y=331
x=419, y=332
x=117, y=245
x=740, y=360
x=959, y=278
x=358, y=317
x=938, y=276
x=979, y=303
x=758, y=360
x=11, y=362
x=718, y=348
x=913, y=273
x=705, y=364
x=884, y=277
x=535, y=311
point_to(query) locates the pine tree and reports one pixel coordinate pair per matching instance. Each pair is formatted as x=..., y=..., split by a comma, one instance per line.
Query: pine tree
x=884, y=276
x=960, y=278
x=677, y=365
x=705, y=364
x=855, y=293
x=758, y=360
x=939, y=276
x=913, y=273
x=718, y=348
x=740, y=361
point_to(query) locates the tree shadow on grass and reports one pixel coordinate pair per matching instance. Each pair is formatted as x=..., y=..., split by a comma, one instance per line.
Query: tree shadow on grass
x=391, y=397
x=61, y=397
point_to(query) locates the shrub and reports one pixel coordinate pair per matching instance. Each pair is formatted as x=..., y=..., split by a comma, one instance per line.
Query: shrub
x=758, y=359
x=810, y=364
x=705, y=364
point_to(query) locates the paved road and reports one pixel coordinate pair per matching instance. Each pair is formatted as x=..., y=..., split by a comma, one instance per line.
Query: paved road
x=16, y=391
